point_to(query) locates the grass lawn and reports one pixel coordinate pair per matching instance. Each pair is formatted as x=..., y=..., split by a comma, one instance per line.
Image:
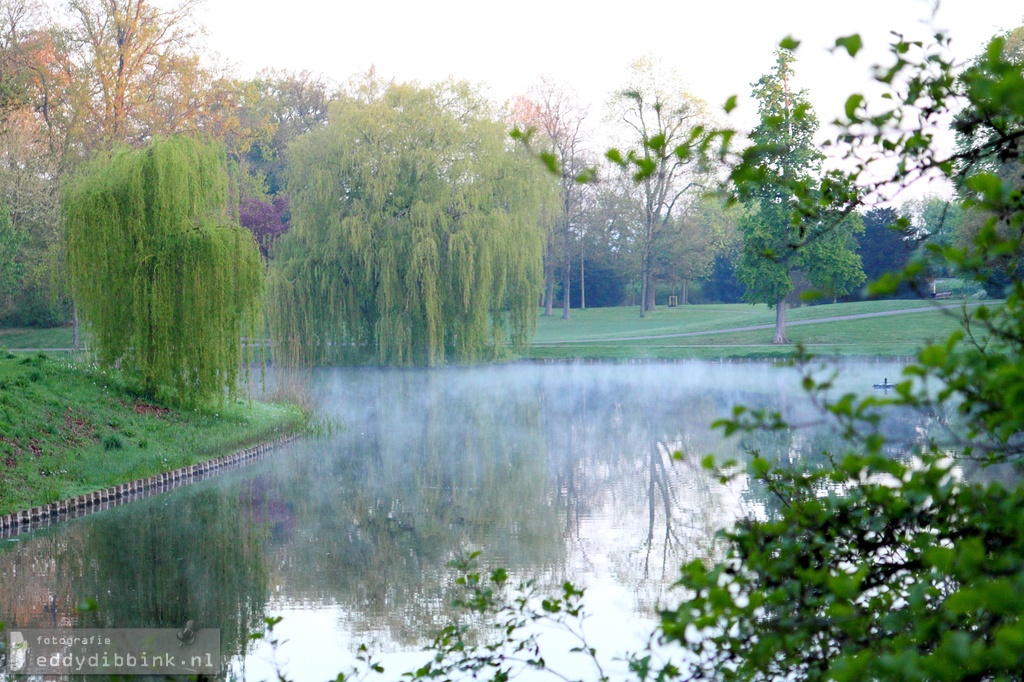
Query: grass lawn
x=67, y=428
x=32, y=337
x=622, y=331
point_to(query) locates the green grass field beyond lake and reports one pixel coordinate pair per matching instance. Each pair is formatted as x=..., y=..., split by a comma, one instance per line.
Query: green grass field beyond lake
x=620, y=333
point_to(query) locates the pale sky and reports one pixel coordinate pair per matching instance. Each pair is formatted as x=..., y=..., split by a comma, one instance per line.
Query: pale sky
x=719, y=47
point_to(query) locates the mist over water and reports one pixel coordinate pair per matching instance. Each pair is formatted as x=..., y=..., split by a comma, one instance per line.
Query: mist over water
x=553, y=471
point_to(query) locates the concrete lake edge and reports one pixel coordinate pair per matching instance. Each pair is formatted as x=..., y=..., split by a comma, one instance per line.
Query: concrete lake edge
x=53, y=513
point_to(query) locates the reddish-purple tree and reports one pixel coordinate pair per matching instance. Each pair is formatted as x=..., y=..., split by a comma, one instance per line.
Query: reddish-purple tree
x=266, y=221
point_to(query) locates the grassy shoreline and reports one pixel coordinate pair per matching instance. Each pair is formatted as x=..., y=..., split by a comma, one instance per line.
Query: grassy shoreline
x=68, y=428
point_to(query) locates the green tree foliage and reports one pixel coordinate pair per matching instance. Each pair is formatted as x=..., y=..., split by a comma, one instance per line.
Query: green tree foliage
x=32, y=59
x=607, y=245
x=935, y=222
x=980, y=174
x=886, y=245
x=777, y=240
x=705, y=231
x=29, y=184
x=415, y=233
x=161, y=269
x=10, y=268
x=259, y=118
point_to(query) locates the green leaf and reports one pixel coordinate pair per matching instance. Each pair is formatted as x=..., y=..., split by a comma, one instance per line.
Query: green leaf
x=550, y=162
x=852, y=43
x=645, y=169
x=586, y=176
x=987, y=184
x=789, y=43
x=657, y=142
x=941, y=558
x=759, y=467
x=730, y=104
x=853, y=102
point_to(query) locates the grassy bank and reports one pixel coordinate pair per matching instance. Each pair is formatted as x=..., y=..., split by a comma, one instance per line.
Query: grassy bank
x=619, y=333
x=68, y=428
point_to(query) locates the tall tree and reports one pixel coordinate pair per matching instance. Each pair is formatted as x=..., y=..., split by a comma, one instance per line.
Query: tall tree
x=294, y=104
x=10, y=268
x=777, y=240
x=36, y=130
x=608, y=238
x=17, y=18
x=663, y=123
x=29, y=181
x=100, y=74
x=886, y=244
x=707, y=229
x=552, y=112
x=414, y=237
x=162, y=270
x=41, y=69
x=141, y=66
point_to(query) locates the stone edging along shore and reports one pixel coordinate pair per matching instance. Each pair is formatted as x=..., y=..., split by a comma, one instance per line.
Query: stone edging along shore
x=89, y=503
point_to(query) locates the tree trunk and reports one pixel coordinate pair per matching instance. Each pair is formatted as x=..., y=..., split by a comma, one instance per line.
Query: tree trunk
x=549, y=295
x=549, y=275
x=583, y=289
x=643, y=295
x=566, y=281
x=650, y=293
x=780, y=321
x=74, y=323
x=685, y=300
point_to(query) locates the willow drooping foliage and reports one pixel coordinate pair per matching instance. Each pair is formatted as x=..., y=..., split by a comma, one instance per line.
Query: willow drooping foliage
x=161, y=268
x=415, y=236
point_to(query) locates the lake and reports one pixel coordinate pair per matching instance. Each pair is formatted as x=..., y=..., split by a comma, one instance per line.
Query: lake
x=555, y=472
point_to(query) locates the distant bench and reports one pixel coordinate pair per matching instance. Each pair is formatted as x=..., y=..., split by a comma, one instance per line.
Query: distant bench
x=939, y=295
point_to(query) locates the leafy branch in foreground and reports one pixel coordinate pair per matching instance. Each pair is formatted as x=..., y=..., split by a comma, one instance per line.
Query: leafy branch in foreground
x=882, y=568
x=508, y=620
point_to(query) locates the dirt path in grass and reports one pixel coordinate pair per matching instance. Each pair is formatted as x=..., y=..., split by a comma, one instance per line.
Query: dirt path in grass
x=756, y=327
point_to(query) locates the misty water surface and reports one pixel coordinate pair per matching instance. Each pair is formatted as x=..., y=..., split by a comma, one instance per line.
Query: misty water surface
x=553, y=471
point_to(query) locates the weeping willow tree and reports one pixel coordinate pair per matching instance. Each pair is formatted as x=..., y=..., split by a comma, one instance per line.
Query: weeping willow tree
x=415, y=235
x=161, y=269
